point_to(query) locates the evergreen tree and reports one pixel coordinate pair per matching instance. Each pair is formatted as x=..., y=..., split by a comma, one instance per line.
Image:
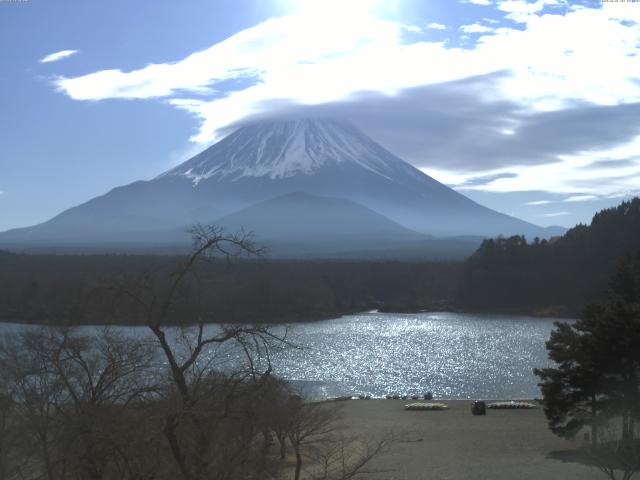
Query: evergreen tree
x=572, y=390
x=597, y=376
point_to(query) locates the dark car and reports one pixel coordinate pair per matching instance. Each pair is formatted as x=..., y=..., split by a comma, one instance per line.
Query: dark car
x=479, y=408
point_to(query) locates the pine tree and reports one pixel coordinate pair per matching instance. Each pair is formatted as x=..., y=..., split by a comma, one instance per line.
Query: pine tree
x=597, y=376
x=572, y=390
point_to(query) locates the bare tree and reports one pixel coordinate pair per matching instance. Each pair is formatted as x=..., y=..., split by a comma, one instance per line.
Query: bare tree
x=310, y=425
x=347, y=457
x=204, y=400
x=13, y=443
x=71, y=394
x=618, y=459
x=315, y=434
x=35, y=391
x=193, y=400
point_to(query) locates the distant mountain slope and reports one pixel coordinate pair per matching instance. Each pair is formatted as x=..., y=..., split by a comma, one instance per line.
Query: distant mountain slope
x=511, y=274
x=301, y=215
x=334, y=159
x=301, y=225
x=318, y=157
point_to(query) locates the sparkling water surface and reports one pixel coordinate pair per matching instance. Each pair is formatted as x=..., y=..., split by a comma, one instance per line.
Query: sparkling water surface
x=453, y=355
x=457, y=356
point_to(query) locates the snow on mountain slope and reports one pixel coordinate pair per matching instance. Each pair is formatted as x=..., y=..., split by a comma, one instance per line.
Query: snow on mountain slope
x=333, y=158
x=321, y=157
x=288, y=148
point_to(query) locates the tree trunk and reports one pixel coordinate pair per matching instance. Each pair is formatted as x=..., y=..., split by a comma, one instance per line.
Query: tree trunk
x=268, y=439
x=625, y=426
x=169, y=431
x=298, y=462
x=594, y=425
x=47, y=457
x=282, y=440
x=176, y=371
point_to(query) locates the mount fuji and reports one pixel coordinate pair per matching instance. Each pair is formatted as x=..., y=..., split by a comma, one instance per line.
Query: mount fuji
x=301, y=180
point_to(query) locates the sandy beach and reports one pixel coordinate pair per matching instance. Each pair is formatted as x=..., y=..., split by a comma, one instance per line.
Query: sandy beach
x=455, y=445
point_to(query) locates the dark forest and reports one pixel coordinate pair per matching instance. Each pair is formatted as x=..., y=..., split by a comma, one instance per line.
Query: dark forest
x=505, y=275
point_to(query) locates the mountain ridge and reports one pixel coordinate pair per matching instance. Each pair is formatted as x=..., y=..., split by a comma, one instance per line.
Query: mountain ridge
x=321, y=157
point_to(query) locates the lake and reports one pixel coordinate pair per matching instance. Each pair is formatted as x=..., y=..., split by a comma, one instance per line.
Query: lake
x=453, y=355
x=456, y=356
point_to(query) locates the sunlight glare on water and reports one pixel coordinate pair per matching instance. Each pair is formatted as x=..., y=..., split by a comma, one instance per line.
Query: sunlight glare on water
x=453, y=355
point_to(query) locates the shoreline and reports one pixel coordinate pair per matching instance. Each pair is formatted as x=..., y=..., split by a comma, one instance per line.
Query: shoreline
x=452, y=444
x=355, y=398
x=312, y=318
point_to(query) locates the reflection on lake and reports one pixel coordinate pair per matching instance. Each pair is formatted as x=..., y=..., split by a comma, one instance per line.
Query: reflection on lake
x=453, y=355
x=457, y=356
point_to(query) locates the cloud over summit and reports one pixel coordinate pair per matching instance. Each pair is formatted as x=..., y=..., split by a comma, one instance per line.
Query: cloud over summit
x=537, y=94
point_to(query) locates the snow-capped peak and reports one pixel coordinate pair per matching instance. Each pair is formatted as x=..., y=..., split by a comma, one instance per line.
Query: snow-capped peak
x=282, y=149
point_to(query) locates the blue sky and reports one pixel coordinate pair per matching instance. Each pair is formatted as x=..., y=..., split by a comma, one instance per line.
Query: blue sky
x=529, y=107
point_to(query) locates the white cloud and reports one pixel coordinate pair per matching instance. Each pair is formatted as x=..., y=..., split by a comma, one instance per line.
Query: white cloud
x=475, y=28
x=571, y=175
x=538, y=202
x=54, y=57
x=524, y=6
x=521, y=11
x=274, y=50
x=436, y=26
x=580, y=198
x=567, y=176
x=478, y=2
x=554, y=59
x=556, y=214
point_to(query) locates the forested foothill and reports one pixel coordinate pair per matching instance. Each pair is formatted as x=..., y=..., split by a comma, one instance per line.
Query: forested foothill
x=84, y=289
x=554, y=277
